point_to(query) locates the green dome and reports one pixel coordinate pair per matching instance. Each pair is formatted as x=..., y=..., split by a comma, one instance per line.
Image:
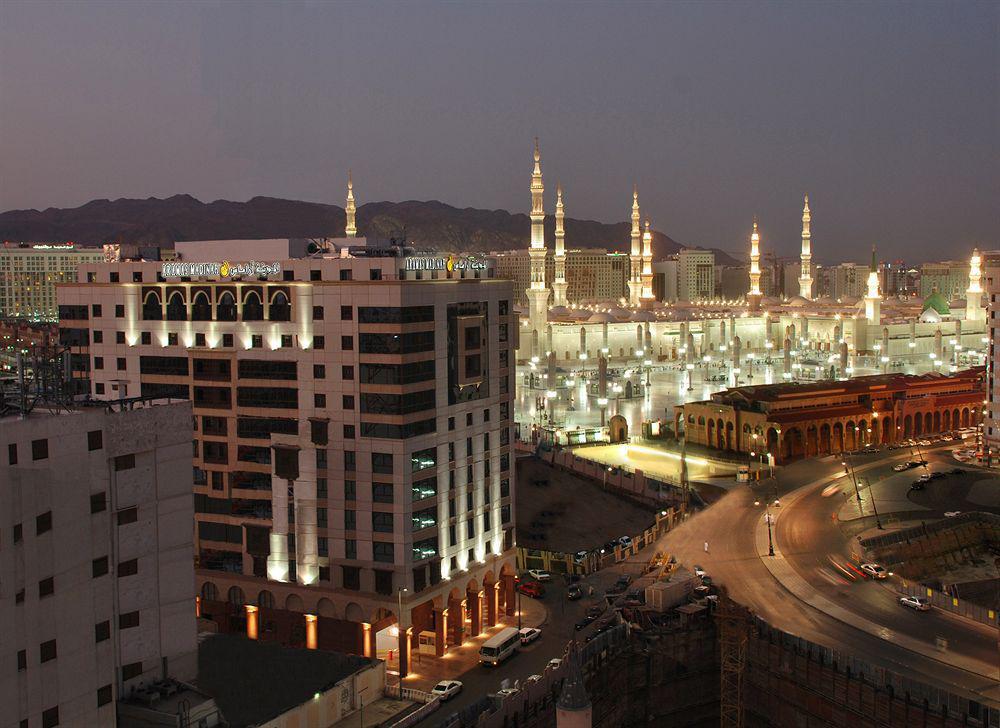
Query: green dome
x=938, y=303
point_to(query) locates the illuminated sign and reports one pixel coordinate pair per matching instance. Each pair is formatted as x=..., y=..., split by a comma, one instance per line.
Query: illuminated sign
x=448, y=263
x=59, y=246
x=225, y=269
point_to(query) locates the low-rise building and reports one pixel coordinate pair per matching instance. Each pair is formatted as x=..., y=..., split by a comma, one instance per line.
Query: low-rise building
x=29, y=273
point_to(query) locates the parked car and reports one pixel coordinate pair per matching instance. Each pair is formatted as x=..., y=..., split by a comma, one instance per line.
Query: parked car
x=874, y=571
x=447, y=689
x=531, y=589
x=504, y=692
x=529, y=635
x=956, y=471
x=921, y=604
x=626, y=542
x=583, y=623
x=924, y=443
x=937, y=474
x=555, y=662
x=540, y=574
x=917, y=485
x=574, y=592
x=925, y=478
x=699, y=571
x=901, y=467
x=532, y=679
x=594, y=612
x=623, y=581
x=952, y=514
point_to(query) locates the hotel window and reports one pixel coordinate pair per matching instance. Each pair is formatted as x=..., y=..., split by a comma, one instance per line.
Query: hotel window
x=352, y=574
x=319, y=371
x=257, y=341
x=317, y=313
x=350, y=461
x=22, y=660
x=119, y=337
x=227, y=341
x=315, y=275
x=346, y=313
x=12, y=453
x=347, y=373
x=321, y=488
x=113, y=277
x=119, y=310
x=128, y=620
x=286, y=341
x=348, y=402
x=131, y=670
x=350, y=520
x=98, y=362
x=128, y=568
x=99, y=567
x=102, y=631
x=137, y=277
x=347, y=343
x=50, y=718
x=383, y=551
x=172, y=339
x=96, y=310
x=104, y=695
x=121, y=363
x=319, y=400
x=350, y=490
x=345, y=274
x=46, y=587
x=98, y=337
x=319, y=342
x=43, y=523
x=382, y=492
x=39, y=449
x=146, y=338
x=382, y=463
x=98, y=502
x=130, y=515
x=349, y=432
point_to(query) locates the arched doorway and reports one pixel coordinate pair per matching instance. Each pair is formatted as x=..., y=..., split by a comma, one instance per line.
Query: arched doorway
x=928, y=422
x=618, y=429
x=793, y=443
x=937, y=421
x=720, y=434
x=729, y=435
x=887, y=432
x=851, y=436
x=824, y=439
x=907, y=426
x=838, y=437
x=946, y=420
x=965, y=417
x=772, y=441
x=711, y=432
x=812, y=441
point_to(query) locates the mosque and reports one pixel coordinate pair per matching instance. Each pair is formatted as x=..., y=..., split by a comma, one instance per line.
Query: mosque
x=804, y=337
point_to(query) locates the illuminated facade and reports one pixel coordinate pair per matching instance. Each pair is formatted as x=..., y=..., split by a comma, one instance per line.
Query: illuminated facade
x=353, y=440
x=805, y=261
x=29, y=274
x=635, y=257
x=537, y=291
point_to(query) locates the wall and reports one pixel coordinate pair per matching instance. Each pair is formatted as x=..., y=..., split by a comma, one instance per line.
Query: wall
x=335, y=703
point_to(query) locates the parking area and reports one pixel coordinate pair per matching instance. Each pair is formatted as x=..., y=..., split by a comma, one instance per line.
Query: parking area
x=560, y=511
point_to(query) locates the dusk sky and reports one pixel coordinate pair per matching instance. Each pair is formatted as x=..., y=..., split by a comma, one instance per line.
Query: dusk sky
x=887, y=114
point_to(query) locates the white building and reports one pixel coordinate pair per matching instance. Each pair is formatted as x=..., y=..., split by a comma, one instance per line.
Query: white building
x=695, y=274
x=991, y=272
x=29, y=274
x=96, y=562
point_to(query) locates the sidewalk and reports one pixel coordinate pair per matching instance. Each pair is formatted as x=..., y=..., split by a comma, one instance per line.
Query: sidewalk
x=427, y=670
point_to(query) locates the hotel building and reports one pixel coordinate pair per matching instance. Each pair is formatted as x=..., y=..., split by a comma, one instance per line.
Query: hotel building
x=592, y=274
x=96, y=572
x=29, y=274
x=352, y=450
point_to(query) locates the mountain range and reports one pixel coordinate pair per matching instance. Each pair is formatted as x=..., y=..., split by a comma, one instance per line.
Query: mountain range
x=430, y=224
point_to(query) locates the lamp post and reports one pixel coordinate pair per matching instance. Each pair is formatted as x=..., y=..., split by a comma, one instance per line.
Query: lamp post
x=871, y=494
x=767, y=518
x=602, y=402
x=403, y=643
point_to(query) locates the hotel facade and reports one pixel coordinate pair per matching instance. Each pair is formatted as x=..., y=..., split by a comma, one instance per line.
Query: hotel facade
x=352, y=456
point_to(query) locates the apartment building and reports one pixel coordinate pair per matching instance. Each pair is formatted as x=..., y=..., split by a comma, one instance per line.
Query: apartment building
x=96, y=560
x=29, y=273
x=950, y=278
x=592, y=274
x=352, y=445
x=991, y=429
x=695, y=274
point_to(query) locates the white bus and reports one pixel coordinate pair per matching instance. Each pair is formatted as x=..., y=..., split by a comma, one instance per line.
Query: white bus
x=500, y=646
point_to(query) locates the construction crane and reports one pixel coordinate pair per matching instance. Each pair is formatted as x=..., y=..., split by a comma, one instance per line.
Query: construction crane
x=734, y=630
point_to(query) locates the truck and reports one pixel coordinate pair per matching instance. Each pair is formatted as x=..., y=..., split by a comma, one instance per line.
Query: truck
x=664, y=595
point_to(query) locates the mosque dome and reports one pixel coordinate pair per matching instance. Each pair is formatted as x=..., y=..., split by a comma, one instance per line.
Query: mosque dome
x=929, y=316
x=643, y=316
x=601, y=318
x=797, y=301
x=937, y=302
x=848, y=300
x=619, y=312
x=559, y=312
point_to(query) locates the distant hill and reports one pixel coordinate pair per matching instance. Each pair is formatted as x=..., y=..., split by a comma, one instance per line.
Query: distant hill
x=432, y=224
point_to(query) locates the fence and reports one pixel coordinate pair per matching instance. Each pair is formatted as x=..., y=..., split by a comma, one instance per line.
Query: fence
x=906, y=535
x=417, y=696
x=417, y=715
x=952, y=604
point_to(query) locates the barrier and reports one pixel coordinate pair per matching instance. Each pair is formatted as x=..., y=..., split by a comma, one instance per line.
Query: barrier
x=954, y=605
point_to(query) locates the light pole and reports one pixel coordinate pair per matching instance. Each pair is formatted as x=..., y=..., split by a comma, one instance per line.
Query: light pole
x=767, y=518
x=403, y=642
x=871, y=494
x=602, y=402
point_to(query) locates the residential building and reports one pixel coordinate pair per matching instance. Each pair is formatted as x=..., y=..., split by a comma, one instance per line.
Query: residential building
x=29, y=273
x=96, y=559
x=592, y=274
x=848, y=280
x=991, y=433
x=665, y=279
x=732, y=282
x=353, y=417
x=695, y=274
x=949, y=278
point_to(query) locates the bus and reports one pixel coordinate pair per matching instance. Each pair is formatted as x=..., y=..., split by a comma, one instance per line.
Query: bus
x=500, y=646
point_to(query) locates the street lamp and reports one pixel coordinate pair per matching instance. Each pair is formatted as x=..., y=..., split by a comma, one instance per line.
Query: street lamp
x=403, y=642
x=767, y=518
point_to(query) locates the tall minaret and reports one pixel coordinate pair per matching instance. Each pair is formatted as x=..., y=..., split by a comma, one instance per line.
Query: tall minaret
x=538, y=294
x=352, y=228
x=647, y=264
x=635, y=259
x=559, y=285
x=873, y=305
x=754, y=294
x=805, y=276
x=974, y=308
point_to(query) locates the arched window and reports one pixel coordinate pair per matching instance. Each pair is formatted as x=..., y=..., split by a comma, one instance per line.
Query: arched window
x=226, y=308
x=152, y=310
x=176, y=308
x=236, y=596
x=253, y=309
x=201, y=308
x=280, y=309
x=209, y=592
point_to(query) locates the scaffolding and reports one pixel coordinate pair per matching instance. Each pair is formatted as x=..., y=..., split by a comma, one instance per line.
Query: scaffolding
x=734, y=630
x=42, y=378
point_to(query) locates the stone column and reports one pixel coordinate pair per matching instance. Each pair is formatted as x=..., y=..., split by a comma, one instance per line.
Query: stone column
x=440, y=631
x=492, y=603
x=475, y=600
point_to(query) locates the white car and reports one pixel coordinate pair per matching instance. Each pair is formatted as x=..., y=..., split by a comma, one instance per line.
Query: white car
x=924, y=443
x=504, y=692
x=540, y=574
x=529, y=635
x=532, y=679
x=899, y=468
x=921, y=604
x=952, y=514
x=447, y=689
x=874, y=571
x=555, y=663
x=699, y=572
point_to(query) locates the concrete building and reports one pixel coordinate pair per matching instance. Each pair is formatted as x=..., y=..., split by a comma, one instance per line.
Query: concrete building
x=592, y=274
x=353, y=420
x=29, y=273
x=695, y=274
x=732, y=282
x=665, y=279
x=991, y=273
x=96, y=571
x=949, y=278
x=849, y=280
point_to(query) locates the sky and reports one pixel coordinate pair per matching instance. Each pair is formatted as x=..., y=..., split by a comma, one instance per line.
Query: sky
x=887, y=114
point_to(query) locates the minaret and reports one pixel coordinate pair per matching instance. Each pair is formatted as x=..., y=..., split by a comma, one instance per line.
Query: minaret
x=352, y=228
x=635, y=259
x=538, y=294
x=647, y=264
x=754, y=294
x=974, y=309
x=873, y=305
x=559, y=285
x=805, y=276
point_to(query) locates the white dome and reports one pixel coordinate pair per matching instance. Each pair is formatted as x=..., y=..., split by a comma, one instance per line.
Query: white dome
x=798, y=301
x=643, y=316
x=559, y=312
x=601, y=318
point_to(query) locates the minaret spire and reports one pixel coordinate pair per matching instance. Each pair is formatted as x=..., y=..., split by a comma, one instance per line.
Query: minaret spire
x=538, y=294
x=805, y=275
x=873, y=306
x=754, y=294
x=647, y=264
x=635, y=257
x=559, y=285
x=974, y=309
x=352, y=228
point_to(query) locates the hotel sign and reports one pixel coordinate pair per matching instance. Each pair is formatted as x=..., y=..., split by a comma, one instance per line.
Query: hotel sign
x=446, y=262
x=225, y=269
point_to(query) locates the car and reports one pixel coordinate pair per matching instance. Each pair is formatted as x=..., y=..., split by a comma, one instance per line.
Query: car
x=555, y=663
x=706, y=580
x=901, y=467
x=505, y=692
x=532, y=679
x=917, y=485
x=925, y=478
x=529, y=635
x=626, y=542
x=531, y=589
x=952, y=514
x=594, y=612
x=540, y=575
x=579, y=557
x=924, y=443
x=874, y=571
x=574, y=592
x=921, y=604
x=956, y=471
x=446, y=689
x=699, y=571
x=623, y=581
x=946, y=438
x=937, y=474
x=584, y=623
